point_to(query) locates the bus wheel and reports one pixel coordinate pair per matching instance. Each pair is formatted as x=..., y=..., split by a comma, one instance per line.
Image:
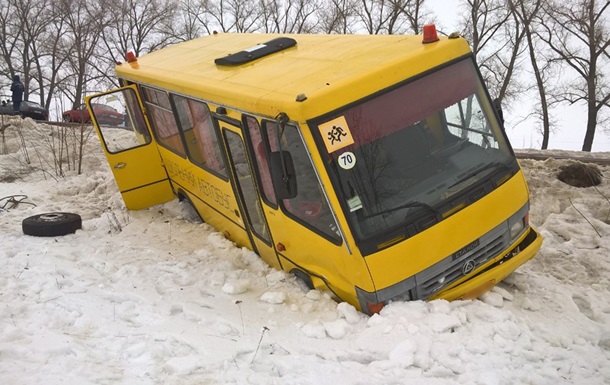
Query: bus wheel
x=303, y=277
x=51, y=224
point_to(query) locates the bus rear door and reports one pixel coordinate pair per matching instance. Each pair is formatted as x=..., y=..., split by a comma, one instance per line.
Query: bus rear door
x=132, y=154
x=248, y=193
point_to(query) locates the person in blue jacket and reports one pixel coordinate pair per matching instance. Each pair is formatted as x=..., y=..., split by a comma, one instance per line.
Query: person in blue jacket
x=17, y=89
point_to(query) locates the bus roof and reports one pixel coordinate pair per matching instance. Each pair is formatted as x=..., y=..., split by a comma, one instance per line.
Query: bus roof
x=329, y=70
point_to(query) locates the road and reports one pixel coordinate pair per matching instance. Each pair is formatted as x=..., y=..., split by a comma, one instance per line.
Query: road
x=583, y=157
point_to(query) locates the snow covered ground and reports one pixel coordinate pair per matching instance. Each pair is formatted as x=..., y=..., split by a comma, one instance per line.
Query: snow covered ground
x=154, y=297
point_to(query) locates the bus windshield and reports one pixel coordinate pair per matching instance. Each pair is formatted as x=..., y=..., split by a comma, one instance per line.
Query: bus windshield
x=405, y=159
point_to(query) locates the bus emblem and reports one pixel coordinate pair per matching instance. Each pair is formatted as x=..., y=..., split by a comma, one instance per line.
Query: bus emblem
x=468, y=267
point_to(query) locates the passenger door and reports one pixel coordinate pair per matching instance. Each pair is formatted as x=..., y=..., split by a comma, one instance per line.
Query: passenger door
x=131, y=151
x=248, y=194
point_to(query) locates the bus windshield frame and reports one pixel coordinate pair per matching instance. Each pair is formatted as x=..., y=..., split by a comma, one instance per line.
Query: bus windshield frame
x=407, y=158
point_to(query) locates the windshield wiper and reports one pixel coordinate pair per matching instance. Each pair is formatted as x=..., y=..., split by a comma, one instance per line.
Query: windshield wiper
x=479, y=171
x=451, y=148
x=407, y=205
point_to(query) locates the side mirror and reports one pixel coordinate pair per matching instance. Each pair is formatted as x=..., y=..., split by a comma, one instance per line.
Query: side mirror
x=283, y=174
x=498, y=106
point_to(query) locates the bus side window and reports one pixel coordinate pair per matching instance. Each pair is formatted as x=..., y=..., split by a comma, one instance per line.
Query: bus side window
x=162, y=120
x=261, y=156
x=200, y=135
x=134, y=117
x=310, y=205
x=133, y=122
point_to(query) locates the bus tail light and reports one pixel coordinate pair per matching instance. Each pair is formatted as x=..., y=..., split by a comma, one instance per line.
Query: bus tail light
x=430, y=35
x=369, y=302
x=375, y=308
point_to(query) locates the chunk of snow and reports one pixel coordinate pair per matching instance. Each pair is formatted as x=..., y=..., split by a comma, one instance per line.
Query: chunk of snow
x=349, y=312
x=236, y=287
x=336, y=329
x=274, y=297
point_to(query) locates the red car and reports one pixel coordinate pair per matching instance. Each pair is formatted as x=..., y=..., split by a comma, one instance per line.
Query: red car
x=104, y=115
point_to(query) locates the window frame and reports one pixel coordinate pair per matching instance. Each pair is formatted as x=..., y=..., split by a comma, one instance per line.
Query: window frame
x=338, y=237
x=152, y=105
x=260, y=169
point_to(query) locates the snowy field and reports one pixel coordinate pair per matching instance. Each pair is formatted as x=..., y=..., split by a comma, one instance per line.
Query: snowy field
x=154, y=297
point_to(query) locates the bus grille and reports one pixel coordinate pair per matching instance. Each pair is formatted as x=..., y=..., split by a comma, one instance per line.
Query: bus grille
x=452, y=268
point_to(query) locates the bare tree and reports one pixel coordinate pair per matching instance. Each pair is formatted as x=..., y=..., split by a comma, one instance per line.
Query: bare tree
x=54, y=55
x=504, y=67
x=37, y=38
x=527, y=12
x=336, y=16
x=393, y=16
x=234, y=15
x=85, y=22
x=27, y=32
x=577, y=32
x=138, y=26
x=415, y=12
x=9, y=41
x=278, y=16
x=30, y=34
x=376, y=15
x=191, y=21
x=485, y=25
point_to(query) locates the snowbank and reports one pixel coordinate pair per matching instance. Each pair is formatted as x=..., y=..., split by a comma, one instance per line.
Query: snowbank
x=154, y=297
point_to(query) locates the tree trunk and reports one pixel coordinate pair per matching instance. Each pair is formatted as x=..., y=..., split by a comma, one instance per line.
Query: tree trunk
x=541, y=89
x=591, y=125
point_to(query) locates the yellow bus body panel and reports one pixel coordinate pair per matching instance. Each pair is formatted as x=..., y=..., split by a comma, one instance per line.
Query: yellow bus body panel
x=140, y=177
x=212, y=197
x=319, y=257
x=155, y=194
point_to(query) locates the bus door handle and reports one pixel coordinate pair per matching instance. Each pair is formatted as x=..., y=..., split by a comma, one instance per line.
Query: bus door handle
x=120, y=165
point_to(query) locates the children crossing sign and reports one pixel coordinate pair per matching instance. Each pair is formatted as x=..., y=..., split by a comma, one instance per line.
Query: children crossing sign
x=336, y=134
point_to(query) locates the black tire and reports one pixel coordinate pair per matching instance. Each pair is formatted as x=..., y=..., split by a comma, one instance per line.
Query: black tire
x=51, y=224
x=303, y=277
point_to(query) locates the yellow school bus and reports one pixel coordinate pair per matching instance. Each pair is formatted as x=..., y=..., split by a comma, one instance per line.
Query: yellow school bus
x=373, y=167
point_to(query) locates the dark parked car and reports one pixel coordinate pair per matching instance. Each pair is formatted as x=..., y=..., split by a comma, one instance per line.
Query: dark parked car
x=103, y=113
x=27, y=109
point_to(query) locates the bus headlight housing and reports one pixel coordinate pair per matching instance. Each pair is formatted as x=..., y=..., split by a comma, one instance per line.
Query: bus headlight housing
x=518, y=223
x=516, y=229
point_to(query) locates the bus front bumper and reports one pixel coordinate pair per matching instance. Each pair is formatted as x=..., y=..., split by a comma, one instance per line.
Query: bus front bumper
x=481, y=282
x=469, y=287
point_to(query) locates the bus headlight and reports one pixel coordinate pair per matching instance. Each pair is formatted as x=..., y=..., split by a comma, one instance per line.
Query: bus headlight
x=516, y=229
x=518, y=222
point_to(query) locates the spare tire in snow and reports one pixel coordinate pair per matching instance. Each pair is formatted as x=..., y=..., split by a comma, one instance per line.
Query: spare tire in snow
x=51, y=224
